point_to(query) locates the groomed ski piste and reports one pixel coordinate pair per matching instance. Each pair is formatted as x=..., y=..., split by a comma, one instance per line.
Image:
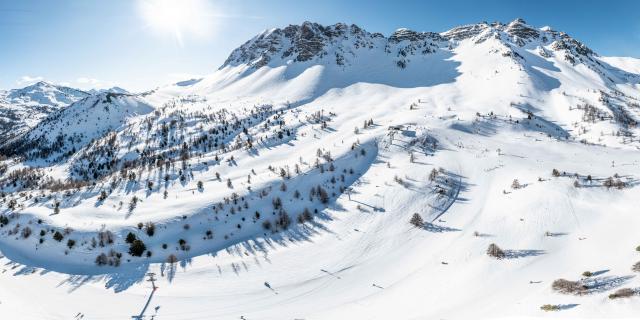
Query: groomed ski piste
x=492, y=136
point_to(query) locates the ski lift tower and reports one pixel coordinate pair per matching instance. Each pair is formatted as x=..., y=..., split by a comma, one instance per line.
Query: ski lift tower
x=152, y=279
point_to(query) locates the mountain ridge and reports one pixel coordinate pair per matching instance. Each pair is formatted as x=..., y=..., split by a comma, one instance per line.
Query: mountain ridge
x=21, y=109
x=309, y=40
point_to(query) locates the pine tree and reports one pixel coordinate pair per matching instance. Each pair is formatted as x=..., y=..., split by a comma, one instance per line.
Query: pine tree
x=416, y=220
x=130, y=238
x=137, y=248
x=494, y=251
x=58, y=236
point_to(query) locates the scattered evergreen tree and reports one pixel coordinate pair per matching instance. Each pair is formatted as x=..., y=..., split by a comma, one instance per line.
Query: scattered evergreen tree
x=171, y=259
x=323, y=195
x=102, y=259
x=4, y=221
x=58, y=236
x=133, y=203
x=150, y=228
x=130, y=238
x=416, y=220
x=494, y=251
x=550, y=307
x=277, y=203
x=623, y=293
x=26, y=232
x=137, y=248
x=283, y=220
x=569, y=287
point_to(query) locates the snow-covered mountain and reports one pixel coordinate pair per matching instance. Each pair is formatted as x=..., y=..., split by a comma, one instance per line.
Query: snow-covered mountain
x=45, y=93
x=301, y=63
x=25, y=107
x=112, y=90
x=326, y=172
x=342, y=45
x=62, y=133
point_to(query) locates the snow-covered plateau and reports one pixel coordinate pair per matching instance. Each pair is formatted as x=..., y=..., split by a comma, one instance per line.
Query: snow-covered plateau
x=326, y=172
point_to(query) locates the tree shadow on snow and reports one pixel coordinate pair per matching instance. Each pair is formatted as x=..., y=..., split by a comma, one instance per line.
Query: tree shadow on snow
x=438, y=229
x=119, y=279
x=517, y=254
x=255, y=243
x=447, y=189
x=567, y=306
x=599, y=272
x=605, y=283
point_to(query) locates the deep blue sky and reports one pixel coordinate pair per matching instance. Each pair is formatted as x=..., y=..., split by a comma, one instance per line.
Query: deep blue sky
x=87, y=43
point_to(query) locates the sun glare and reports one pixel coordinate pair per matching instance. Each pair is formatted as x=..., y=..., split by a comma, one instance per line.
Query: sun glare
x=178, y=19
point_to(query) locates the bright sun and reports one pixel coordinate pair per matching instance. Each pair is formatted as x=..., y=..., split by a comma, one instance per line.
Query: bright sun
x=178, y=18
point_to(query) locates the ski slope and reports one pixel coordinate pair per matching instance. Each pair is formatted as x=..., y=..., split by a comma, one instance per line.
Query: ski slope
x=445, y=137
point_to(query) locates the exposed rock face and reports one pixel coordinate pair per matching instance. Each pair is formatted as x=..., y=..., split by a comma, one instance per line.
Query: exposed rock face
x=466, y=31
x=410, y=35
x=299, y=43
x=575, y=51
x=341, y=43
x=311, y=41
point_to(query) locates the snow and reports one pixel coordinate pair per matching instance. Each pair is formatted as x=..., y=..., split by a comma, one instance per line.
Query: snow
x=21, y=109
x=628, y=64
x=462, y=110
x=112, y=90
x=45, y=93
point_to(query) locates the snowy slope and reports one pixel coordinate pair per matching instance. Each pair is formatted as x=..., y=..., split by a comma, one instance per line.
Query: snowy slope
x=628, y=64
x=282, y=185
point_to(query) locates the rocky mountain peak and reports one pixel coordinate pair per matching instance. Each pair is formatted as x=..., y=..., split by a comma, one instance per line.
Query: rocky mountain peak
x=521, y=29
x=340, y=44
x=403, y=34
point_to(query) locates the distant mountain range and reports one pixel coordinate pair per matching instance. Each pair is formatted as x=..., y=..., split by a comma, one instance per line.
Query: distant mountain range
x=23, y=108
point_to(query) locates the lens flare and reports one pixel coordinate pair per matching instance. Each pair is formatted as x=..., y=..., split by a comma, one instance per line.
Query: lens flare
x=179, y=19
